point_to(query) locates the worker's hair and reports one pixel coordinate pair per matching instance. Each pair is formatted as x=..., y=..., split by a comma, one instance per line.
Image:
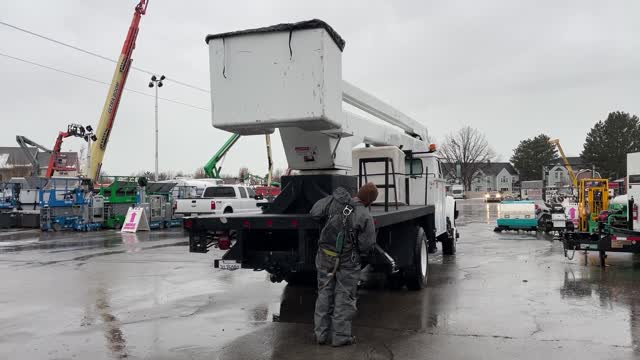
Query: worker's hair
x=368, y=193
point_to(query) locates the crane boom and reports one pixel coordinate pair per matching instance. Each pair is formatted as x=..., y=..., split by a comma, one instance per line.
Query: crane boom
x=24, y=143
x=572, y=175
x=211, y=169
x=112, y=102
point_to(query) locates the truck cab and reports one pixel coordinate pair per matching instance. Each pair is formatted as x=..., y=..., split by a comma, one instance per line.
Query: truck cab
x=457, y=191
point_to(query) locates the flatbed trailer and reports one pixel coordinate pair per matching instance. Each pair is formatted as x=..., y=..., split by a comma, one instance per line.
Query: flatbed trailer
x=619, y=240
x=614, y=240
x=285, y=245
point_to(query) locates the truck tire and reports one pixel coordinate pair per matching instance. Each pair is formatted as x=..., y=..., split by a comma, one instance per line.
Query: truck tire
x=417, y=274
x=449, y=241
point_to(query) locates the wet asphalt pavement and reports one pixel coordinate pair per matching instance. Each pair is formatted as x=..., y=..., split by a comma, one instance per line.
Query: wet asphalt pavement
x=100, y=295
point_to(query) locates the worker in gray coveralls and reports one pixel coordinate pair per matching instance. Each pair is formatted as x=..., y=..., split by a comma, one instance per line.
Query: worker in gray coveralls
x=348, y=232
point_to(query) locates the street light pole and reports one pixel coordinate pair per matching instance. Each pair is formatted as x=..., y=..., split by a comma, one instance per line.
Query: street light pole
x=156, y=82
x=156, y=173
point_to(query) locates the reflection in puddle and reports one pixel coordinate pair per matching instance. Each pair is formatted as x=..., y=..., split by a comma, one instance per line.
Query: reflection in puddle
x=614, y=290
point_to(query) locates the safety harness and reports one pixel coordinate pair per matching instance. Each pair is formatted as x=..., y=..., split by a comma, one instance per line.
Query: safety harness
x=340, y=238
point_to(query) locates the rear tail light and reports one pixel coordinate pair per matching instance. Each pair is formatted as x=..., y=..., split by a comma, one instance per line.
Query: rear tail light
x=268, y=223
x=187, y=224
x=224, y=242
x=246, y=224
x=294, y=223
x=213, y=205
x=635, y=212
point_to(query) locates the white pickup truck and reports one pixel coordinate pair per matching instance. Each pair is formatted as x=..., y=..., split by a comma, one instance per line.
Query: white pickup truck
x=220, y=199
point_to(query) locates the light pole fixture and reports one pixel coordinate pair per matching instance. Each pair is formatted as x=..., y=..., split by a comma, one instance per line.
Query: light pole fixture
x=156, y=82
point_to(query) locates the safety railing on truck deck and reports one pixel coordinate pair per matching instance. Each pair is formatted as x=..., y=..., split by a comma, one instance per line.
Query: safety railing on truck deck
x=362, y=172
x=362, y=167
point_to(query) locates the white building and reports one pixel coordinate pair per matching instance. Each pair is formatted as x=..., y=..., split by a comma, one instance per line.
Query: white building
x=500, y=176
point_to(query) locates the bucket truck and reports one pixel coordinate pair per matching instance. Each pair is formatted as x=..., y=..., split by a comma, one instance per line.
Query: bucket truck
x=289, y=77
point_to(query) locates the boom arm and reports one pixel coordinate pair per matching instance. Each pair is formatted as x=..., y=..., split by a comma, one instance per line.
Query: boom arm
x=211, y=168
x=574, y=180
x=72, y=130
x=24, y=144
x=112, y=102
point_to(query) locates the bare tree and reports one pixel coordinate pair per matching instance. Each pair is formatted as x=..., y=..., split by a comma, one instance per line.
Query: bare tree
x=199, y=173
x=243, y=172
x=466, y=149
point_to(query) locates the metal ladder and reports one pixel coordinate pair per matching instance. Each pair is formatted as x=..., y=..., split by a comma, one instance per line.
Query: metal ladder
x=362, y=172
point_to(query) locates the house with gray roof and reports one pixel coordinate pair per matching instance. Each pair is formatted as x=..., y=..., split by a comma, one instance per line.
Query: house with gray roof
x=14, y=162
x=500, y=176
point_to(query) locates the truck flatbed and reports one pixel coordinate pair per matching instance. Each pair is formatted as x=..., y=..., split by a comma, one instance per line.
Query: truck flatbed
x=288, y=221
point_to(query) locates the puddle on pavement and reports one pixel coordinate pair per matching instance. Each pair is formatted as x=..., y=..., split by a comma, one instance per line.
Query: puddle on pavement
x=71, y=241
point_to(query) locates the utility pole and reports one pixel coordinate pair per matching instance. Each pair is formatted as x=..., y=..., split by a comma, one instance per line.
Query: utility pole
x=157, y=83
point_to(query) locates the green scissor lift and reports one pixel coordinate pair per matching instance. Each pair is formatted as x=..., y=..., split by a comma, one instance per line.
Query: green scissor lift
x=120, y=193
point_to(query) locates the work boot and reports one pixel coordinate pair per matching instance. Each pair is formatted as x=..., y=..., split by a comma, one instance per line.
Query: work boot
x=344, y=342
x=321, y=340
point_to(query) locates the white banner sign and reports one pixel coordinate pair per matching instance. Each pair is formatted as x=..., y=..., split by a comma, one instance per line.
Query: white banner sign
x=135, y=220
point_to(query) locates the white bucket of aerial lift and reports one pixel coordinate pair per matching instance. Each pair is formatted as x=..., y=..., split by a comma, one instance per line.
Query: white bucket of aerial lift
x=276, y=77
x=397, y=157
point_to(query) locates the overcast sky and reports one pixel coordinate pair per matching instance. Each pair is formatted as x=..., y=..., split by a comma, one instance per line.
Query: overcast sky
x=512, y=69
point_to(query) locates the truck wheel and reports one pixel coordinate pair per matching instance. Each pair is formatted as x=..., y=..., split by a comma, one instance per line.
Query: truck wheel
x=417, y=274
x=449, y=242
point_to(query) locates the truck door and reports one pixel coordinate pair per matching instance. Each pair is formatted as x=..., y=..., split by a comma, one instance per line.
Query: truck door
x=441, y=194
x=633, y=191
x=436, y=193
x=243, y=201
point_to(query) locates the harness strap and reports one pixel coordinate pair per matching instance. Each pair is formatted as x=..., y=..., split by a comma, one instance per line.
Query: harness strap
x=330, y=253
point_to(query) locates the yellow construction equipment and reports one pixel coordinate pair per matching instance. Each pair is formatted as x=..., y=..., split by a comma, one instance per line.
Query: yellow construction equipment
x=572, y=175
x=593, y=198
x=114, y=95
